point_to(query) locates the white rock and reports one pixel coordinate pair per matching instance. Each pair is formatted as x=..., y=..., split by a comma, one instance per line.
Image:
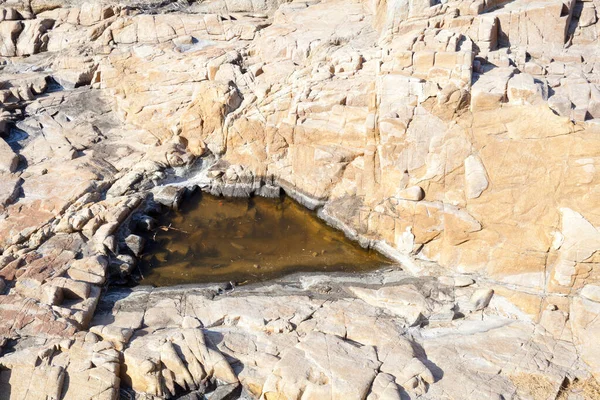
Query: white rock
x=588, y=15
x=481, y=298
x=476, y=180
x=523, y=89
x=413, y=193
x=591, y=292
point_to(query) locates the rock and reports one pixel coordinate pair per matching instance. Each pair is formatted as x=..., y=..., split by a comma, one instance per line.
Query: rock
x=145, y=223
x=405, y=301
x=384, y=388
x=71, y=288
x=591, y=292
x=578, y=240
x=67, y=367
x=225, y=392
x=33, y=39
x=51, y=295
x=523, y=89
x=481, y=298
x=588, y=15
x=584, y=324
x=323, y=366
x=9, y=188
x=169, y=196
x=414, y=193
x=148, y=355
x=91, y=270
x=135, y=243
x=560, y=105
x=9, y=32
x=9, y=160
x=490, y=90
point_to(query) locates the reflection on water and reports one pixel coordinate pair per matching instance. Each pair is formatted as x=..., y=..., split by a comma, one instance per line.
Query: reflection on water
x=247, y=240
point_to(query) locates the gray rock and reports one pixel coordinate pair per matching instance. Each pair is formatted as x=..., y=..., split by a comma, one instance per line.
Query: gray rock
x=135, y=243
x=169, y=196
x=225, y=392
x=145, y=223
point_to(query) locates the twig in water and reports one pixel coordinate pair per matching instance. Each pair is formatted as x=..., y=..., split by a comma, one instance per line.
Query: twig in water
x=170, y=228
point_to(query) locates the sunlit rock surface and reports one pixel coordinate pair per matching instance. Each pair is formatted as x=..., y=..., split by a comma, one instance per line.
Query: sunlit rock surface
x=459, y=137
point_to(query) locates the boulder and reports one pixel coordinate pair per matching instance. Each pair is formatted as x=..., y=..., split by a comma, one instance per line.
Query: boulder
x=91, y=270
x=413, y=193
x=9, y=32
x=169, y=196
x=481, y=298
x=523, y=89
x=9, y=161
x=135, y=243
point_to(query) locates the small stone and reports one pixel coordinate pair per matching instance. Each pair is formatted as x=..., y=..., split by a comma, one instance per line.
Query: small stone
x=169, y=196
x=413, y=193
x=126, y=269
x=183, y=40
x=481, y=298
x=135, y=243
x=110, y=242
x=126, y=258
x=146, y=223
x=91, y=338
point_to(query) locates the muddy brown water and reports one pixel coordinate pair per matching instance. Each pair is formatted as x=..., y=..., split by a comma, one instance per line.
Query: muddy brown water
x=214, y=239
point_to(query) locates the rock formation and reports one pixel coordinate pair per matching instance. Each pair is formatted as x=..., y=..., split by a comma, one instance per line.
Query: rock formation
x=460, y=138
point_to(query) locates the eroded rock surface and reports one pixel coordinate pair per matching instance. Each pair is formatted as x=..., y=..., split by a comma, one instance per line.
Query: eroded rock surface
x=285, y=340
x=459, y=137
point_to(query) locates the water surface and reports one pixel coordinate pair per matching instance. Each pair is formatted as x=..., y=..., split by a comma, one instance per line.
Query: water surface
x=215, y=239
